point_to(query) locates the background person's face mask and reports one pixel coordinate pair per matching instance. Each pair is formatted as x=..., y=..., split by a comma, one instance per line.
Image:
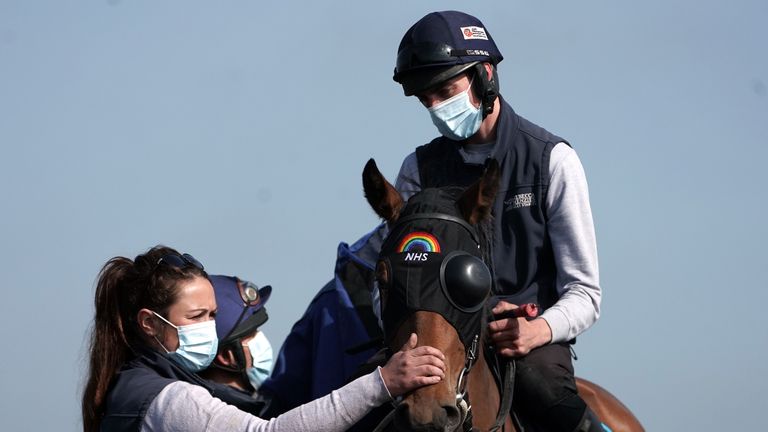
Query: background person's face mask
x=261, y=360
x=197, y=345
x=456, y=118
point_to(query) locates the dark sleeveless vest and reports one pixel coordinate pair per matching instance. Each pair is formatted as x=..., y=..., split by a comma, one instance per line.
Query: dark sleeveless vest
x=141, y=380
x=524, y=266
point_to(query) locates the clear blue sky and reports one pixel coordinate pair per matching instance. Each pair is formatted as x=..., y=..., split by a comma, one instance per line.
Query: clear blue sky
x=237, y=131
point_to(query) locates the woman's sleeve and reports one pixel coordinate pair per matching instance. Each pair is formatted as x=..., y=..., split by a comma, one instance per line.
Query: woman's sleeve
x=186, y=407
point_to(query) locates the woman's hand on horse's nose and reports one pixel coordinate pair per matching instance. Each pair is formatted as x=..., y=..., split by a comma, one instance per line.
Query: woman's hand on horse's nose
x=413, y=367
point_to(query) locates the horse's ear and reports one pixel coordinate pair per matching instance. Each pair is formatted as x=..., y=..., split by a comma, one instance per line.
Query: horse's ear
x=476, y=202
x=381, y=195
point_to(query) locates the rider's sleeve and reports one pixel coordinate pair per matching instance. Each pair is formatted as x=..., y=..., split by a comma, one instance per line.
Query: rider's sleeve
x=408, y=181
x=186, y=407
x=573, y=241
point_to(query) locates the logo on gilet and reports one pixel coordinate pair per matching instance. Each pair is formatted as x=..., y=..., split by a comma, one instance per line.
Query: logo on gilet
x=520, y=200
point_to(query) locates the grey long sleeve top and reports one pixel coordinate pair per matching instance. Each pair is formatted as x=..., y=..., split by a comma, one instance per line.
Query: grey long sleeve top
x=185, y=407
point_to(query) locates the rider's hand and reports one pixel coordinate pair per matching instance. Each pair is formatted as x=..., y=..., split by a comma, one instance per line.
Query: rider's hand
x=413, y=367
x=515, y=337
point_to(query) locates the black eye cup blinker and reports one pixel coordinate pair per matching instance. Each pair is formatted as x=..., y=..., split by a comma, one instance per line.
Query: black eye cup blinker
x=465, y=280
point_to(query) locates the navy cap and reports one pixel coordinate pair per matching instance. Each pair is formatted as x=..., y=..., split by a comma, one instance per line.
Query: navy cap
x=440, y=46
x=240, y=307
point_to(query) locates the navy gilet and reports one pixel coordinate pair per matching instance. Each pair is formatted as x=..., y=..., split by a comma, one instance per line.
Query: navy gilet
x=140, y=380
x=524, y=266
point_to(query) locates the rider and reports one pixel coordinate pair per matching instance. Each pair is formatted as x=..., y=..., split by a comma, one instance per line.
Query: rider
x=244, y=357
x=545, y=249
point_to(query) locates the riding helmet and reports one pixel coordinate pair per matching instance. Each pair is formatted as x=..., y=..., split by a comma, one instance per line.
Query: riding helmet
x=442, y=45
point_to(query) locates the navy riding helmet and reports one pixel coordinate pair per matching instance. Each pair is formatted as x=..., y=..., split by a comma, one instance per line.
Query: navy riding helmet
x=442, y=45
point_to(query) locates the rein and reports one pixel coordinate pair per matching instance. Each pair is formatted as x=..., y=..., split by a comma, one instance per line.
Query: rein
x=507, y=390
x=505, y=405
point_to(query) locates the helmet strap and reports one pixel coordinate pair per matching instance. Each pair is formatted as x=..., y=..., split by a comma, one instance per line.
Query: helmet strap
x=237, y=350
x=486, y=87
x=239, y=368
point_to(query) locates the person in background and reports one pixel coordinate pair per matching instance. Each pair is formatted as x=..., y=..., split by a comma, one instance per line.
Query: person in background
x=339, y=328
x=154, y=329
x=244, y=357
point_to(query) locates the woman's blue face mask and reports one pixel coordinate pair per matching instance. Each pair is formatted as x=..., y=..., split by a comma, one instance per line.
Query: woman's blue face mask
x=198, y=344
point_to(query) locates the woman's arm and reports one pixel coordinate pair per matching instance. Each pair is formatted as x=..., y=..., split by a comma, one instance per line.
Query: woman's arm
x=183, y=406
x=186, y=407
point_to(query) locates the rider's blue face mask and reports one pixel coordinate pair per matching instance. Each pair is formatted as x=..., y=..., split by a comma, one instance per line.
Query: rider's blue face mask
x=457, y=118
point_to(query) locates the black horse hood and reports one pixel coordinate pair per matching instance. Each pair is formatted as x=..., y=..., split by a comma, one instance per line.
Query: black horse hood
x=434, y=262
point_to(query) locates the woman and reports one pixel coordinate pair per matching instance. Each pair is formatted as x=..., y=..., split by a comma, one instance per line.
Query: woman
x=154, y=329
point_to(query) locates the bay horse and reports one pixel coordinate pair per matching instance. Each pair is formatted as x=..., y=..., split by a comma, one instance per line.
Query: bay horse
x=433, y=282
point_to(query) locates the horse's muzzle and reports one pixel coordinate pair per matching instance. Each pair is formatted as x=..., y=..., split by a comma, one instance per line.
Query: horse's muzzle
x=445, y=418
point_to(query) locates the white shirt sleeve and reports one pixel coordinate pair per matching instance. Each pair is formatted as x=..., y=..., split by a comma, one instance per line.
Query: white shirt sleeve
x=572, y=233
x=186, y=407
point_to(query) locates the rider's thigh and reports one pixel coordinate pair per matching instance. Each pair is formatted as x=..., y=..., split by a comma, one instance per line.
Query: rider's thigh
x=544, y=378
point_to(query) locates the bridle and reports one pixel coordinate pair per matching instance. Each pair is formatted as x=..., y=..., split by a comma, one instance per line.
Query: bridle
x=471, y=357
x=462, y=399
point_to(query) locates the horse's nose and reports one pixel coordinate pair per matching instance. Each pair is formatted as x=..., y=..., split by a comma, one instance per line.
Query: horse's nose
x=442, y=419
x=452, y=417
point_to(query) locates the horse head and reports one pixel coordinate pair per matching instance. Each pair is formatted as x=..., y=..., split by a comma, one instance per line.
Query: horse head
x=433, y=282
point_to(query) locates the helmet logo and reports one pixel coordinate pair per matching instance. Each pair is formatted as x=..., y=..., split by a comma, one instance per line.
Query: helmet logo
x=478, y=53
x=473, y=32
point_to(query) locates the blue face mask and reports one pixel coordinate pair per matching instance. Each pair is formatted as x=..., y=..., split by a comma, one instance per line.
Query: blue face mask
x=197, y=345
x=456, y=118
x=261, y=360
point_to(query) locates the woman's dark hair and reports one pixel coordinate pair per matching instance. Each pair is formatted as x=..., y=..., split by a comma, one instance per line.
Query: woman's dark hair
x=124, y=287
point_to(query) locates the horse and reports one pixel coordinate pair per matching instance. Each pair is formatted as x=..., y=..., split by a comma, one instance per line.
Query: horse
x=433, y=282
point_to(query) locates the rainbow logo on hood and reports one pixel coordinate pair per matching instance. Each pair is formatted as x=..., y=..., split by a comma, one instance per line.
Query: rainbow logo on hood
x=419, y=242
